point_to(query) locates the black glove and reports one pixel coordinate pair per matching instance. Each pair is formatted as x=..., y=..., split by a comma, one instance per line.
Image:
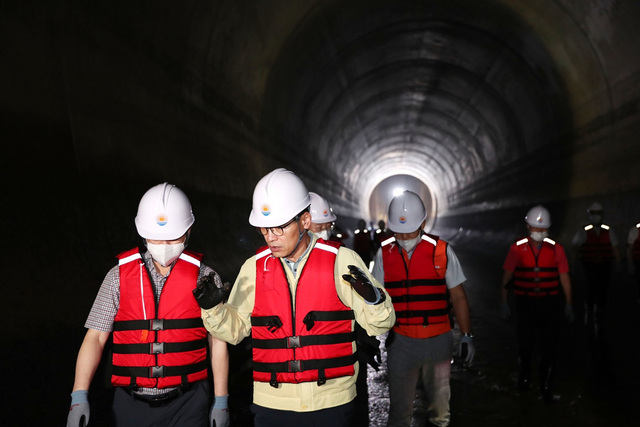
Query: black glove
x=208, y=294
x=361, y=284
x=369, y=346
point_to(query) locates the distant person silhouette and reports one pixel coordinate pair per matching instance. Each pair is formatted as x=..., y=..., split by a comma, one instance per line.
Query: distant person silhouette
x=537, y=270
x=597, y=246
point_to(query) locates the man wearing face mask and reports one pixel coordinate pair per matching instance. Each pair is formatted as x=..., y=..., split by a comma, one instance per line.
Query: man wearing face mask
x=537, y=269
x=424, y=278
x=597, y=246
x=322, y=216
x=159, y=363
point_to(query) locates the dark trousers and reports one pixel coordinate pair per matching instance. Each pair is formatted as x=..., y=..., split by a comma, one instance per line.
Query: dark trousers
x=339, y=416
x=539, y=322
x=190, y=409
x=598, y=278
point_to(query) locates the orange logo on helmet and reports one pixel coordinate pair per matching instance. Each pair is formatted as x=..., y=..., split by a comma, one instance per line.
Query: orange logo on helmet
x=403, y=219
x=161, y=220
x=266, y=211
x=325, y=213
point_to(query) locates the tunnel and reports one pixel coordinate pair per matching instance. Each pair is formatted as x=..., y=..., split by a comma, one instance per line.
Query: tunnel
x=485, y=108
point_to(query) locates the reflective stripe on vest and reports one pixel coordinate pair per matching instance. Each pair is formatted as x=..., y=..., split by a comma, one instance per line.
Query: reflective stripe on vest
x=315, y=342
x=418, y=291
x=597, y=248
x=158, y=346
x=536, y=275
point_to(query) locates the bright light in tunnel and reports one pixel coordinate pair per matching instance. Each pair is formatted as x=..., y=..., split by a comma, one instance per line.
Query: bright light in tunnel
x=398, y=191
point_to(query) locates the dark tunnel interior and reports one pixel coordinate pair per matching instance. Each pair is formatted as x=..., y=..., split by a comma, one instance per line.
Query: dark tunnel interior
x=484, y=108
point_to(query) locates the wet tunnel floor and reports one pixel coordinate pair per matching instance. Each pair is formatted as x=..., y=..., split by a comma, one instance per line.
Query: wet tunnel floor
x=598, y=388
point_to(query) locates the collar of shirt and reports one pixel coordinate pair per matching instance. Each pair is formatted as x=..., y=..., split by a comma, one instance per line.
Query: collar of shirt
x=157, y=278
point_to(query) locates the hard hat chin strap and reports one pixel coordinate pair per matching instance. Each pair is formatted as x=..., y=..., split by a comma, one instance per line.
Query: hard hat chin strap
x=300, y=236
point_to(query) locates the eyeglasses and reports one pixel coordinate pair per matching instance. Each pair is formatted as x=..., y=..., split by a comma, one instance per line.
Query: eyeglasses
x=276, y=231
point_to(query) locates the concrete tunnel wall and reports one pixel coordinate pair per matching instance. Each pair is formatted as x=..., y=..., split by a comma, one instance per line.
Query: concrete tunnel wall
x=494, y=105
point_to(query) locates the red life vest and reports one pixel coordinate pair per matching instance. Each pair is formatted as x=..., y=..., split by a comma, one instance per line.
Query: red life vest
x=597, y=248
x=418, y=290
x=636, y=246
x=362, y=240
x=312, y=342
x=163, y=345
x=536, y=275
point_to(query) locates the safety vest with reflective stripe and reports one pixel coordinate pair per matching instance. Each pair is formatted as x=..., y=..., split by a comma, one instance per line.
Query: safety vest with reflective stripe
x=163, y=345
x=536, y=275
x=418, y=290
x=597, y=248
x=305, y=337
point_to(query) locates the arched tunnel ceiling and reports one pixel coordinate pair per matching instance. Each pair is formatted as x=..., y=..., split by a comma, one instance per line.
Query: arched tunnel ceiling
x=444, y=91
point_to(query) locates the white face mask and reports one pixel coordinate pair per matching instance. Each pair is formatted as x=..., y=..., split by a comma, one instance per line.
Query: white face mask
x=538, y=236
x=409, y=245
x=324, y=234
x=165, y=254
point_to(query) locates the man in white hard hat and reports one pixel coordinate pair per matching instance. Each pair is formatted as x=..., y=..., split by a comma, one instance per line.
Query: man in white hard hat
x=537, y=269
x=160, y=345
x=298, y=298
x=322, y=216
x=597, y=246
x=423, y=276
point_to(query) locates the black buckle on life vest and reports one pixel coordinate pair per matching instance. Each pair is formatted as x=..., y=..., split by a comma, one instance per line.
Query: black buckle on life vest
x=293, y=342
x=157, y=348
x=273, y=382
x=157, y=371
x=157, y=324
x=295, y=366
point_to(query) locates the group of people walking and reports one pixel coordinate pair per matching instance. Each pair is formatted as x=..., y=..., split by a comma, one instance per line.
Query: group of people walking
x=312, y=309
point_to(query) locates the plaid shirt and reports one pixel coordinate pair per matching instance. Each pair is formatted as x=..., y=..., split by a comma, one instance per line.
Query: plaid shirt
x=107, y=301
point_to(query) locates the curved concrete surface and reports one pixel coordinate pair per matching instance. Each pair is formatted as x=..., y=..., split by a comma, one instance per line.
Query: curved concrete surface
x=490, y=106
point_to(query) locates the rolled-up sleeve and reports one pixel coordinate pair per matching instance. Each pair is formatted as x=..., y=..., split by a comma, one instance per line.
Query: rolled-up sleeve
x=376, y=319
x=231, y=321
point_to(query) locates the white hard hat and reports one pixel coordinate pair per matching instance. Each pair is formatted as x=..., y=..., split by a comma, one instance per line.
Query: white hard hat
x=538, y=217
x=321, y=212
x=164, y=213
x=595, y=207
x=278, y=197
x=406, y=213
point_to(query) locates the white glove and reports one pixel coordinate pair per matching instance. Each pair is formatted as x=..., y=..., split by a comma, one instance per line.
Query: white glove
x=79, y=410
x=466, y=351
